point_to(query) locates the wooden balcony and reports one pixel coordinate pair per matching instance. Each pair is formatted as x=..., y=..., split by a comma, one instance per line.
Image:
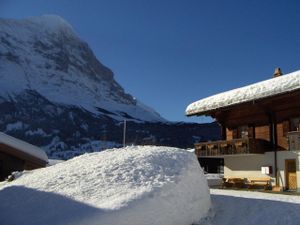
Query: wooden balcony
x=232, y=147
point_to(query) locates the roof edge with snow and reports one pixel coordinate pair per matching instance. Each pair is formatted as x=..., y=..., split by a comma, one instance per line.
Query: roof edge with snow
x=271, y=87
x=23, y=146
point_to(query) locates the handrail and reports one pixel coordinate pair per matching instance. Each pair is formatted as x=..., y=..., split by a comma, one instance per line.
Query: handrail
x=224, y=147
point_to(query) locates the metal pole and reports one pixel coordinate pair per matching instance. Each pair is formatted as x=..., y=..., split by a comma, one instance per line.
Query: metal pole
x=124, y=133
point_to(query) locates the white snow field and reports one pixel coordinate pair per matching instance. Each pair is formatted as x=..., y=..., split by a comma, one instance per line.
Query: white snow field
x=231, y=207
x=130, y=186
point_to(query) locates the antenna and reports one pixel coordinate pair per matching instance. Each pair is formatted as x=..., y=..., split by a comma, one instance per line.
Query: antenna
x=124, y=133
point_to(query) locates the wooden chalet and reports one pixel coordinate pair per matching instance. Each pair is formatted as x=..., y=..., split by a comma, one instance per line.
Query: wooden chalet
x=260, y=126
x=17, y=155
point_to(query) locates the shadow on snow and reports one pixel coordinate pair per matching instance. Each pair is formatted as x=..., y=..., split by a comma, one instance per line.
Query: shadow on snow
x=25, y=206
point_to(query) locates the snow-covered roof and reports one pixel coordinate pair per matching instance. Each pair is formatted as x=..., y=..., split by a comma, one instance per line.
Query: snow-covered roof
x=279, y=85
x=23, y=146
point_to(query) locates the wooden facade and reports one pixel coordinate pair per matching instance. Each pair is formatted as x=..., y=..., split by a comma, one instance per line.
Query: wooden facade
x=260, y=130
x=260, y=125
x=13, y=159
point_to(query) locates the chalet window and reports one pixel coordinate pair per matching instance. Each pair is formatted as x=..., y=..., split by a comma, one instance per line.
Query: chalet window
x=251, y=131
x=294, y=124
x=242, y=132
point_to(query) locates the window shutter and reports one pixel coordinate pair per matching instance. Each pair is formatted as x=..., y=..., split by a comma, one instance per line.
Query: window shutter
x=285, y=127
x=235, y=133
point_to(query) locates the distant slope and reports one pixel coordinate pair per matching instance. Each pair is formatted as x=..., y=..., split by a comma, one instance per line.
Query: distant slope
x=66, y=131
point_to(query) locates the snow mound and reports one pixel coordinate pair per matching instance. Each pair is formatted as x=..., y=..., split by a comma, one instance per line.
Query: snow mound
x=128, y=186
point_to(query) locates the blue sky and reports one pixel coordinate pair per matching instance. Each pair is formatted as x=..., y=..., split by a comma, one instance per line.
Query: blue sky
x=170, y=53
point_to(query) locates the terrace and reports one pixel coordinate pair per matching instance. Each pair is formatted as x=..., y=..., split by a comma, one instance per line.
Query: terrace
x=232, y=147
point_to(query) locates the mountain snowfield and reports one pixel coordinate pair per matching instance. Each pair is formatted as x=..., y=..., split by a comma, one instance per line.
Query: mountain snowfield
x=55, y=94
x=140, y=185
x=45, y=54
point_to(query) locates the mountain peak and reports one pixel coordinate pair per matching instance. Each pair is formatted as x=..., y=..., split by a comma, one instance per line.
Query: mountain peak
x=51, y=22
x=45, y=55
x=39, y=26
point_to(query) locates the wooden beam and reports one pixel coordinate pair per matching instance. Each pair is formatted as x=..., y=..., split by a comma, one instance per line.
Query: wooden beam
x=274, y=142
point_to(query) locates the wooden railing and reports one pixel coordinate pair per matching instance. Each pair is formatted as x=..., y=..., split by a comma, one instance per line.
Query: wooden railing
x=232, y=147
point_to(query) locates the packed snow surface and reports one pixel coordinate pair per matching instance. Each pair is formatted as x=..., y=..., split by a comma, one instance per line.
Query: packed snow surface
x=134, y=185
x=274, y=86
x=231, y=207
x=23, y=146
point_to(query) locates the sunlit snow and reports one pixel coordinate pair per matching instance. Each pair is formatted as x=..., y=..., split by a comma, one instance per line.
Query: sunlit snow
x=129, y=186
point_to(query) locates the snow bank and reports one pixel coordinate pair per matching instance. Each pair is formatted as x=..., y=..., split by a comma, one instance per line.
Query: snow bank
x=133, y=185
x=274, y=86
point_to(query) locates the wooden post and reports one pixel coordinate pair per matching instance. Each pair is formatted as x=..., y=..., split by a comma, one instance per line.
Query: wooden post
x=273, y=140
x=223, y=131
x=251, y=131
x=248, y=145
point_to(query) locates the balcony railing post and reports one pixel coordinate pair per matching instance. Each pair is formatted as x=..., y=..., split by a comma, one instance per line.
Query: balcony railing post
x=226, y=147
x=234, y=147
x=248, y=145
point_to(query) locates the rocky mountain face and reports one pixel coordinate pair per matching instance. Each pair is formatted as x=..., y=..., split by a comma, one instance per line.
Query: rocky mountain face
x=54, y=93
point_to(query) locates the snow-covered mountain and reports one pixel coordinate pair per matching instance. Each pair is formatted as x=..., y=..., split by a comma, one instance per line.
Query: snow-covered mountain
x=45, y=55
x=54, y=93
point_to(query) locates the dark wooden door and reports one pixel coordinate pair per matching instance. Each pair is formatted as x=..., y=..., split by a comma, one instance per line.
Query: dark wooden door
x=290, y=174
